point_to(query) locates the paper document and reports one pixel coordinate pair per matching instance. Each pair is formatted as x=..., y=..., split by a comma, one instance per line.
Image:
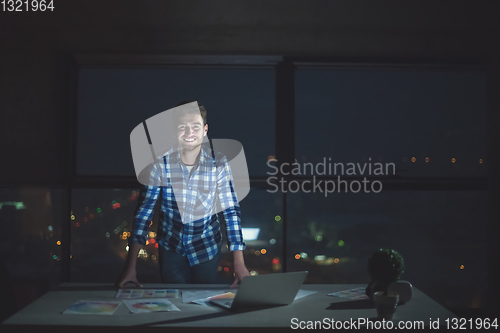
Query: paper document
x=191, y=296
x=149, y=305
x=205, y=301
x=147, y=293
x=93, y=307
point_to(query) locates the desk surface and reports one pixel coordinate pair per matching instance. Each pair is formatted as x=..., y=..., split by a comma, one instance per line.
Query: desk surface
x=48, y=308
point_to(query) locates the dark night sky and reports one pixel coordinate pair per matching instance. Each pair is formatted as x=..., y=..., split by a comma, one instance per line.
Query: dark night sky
x=348, y=115
x=351, y=115
x=239, y=103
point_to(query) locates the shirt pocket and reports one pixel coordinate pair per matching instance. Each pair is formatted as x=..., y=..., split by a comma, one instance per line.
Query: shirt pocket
x=204, y=201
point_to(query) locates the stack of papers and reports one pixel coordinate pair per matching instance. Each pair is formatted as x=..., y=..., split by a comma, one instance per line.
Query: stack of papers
x=147, y=293
x=155, y=300
x=136, y=300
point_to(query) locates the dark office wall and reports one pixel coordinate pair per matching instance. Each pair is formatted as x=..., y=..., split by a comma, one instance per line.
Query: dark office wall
x=33, y=101
x=32, y=87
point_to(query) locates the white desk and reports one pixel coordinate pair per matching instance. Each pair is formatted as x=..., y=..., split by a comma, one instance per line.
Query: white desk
x=45, y=313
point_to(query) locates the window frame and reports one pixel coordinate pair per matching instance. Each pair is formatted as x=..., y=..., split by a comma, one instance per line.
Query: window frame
x=285, y=67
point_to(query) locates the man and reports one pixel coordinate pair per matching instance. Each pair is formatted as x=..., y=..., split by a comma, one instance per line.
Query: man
x=194, y=179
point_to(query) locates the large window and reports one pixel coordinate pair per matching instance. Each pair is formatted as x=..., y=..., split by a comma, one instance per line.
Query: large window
x=440, y=234
x=430, y=123
x=112, y=102
x=102, y=221
x=426, y=128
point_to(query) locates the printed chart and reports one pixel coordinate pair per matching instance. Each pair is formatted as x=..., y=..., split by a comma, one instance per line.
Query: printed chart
x=93, y=307
x=147, y=293
x=150, y=305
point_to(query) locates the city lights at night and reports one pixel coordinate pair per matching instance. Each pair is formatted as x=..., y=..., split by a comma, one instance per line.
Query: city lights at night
x=350, y=146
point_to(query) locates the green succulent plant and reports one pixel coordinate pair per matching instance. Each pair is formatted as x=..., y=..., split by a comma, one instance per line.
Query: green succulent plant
x=385, y=267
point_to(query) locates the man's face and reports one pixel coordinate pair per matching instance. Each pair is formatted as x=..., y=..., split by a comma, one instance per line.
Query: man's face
x=190, y=131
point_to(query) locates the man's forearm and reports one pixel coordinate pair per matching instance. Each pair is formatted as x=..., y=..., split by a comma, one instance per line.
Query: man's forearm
x=238, y=258
x=133, y=252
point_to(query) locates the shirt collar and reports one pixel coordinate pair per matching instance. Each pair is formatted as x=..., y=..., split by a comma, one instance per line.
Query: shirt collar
x=175, y=155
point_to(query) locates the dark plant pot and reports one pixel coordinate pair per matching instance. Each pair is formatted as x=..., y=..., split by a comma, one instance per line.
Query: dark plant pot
x=403, y=288
x=372, y=288
x=386, y=304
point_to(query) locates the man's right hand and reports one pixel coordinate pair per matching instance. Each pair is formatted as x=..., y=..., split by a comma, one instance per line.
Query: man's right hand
x=128, y=275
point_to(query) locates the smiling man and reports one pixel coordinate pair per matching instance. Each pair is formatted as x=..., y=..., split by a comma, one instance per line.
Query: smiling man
x=194, y=180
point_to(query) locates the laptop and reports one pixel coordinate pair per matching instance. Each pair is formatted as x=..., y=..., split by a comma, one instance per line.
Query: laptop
x=261, y=291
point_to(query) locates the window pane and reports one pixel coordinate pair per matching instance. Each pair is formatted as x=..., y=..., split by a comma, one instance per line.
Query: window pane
x=104, y=216
x=99, y=238
x=31, y=230
x=441, y=235
x=393, y=116
x=112, y=102
x=261, y=218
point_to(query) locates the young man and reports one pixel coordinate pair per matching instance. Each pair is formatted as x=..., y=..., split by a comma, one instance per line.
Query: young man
x=194, y=180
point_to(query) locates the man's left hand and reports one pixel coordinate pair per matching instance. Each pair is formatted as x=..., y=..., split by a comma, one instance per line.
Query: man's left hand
x=239, y=272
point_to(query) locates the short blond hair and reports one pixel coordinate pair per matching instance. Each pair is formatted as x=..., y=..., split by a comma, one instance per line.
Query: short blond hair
x=179, y=113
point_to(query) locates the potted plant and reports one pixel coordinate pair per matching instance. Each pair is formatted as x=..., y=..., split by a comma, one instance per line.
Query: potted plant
x=385, y=267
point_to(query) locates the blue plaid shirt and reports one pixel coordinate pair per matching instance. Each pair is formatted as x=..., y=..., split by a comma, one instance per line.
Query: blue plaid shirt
x=199, y=237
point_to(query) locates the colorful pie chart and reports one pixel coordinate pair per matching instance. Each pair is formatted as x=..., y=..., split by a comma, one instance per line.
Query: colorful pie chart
x=152, y=306
x=93, y=307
